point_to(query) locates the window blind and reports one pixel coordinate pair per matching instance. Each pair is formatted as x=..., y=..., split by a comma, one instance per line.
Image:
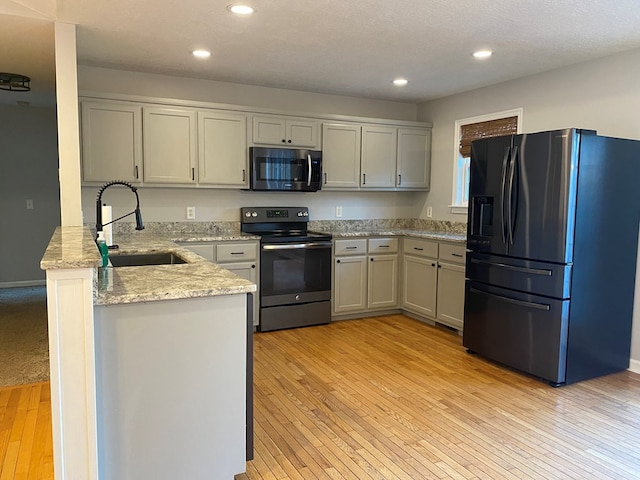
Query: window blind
x=491, y=128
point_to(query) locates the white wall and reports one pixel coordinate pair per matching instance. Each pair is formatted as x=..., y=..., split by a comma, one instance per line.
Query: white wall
x=169, y=205
x=29, y=163
x=94, y=79
x=164, y=204
x=602, y=95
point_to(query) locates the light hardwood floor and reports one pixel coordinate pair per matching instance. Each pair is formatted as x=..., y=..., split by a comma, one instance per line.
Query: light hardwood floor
x=26, y=450
x=392, y=398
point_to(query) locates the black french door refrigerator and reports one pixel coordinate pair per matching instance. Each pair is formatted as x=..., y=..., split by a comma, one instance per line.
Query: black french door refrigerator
x=552, y=240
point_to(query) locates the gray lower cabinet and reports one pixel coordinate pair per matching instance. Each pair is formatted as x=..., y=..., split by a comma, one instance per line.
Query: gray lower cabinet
x=239, y=257
x=382, y=276
x=365, y=275
x=350, y=284
x=420, y=281
x=433, y=275
x=451, y=274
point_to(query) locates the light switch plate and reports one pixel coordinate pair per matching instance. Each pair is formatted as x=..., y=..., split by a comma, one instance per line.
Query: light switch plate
x=338, y=211
x=429, y=212
x=191, y=213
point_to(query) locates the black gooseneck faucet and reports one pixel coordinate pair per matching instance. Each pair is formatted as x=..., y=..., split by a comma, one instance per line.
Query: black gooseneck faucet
x=99, y=225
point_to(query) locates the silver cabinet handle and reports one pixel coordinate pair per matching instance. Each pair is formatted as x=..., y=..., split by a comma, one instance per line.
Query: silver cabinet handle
x=533, y=271
x=364, y=178
x=351, y=248
x=522, y=303
x=137, y=172
x=399, y=179
x=193, y=174
x=244, y=175
x=456, y=255
x=325, y=178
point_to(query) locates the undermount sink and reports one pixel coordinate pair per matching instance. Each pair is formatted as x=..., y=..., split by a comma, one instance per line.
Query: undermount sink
x=143, y=259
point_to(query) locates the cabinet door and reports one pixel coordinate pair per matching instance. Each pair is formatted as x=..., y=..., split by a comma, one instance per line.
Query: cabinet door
x=222, y=149
x=341, y=156
x=302, y=133
x=414, y=159
x=383, y=281
x=248, y=271
x=451, y=294
x=111, y=142
x=269, y=130
x=419, y=280
x=350, y=284
x=169, y=145
x=379, y=150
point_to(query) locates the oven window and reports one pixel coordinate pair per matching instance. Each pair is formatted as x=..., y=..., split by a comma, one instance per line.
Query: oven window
x=295, y=271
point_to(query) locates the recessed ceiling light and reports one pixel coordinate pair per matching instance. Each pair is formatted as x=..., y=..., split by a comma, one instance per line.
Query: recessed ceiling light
x=483, y=53
x=240, y=9
x=201, y=53
x=399, y=82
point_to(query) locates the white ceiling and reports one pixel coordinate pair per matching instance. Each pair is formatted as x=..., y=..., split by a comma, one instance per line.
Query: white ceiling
x=349, y=47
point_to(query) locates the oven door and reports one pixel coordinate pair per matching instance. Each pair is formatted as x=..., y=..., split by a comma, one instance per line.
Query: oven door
x=285, y=169
x=295, y=273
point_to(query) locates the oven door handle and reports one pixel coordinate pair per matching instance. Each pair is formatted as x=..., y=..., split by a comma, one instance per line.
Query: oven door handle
x=292, y=246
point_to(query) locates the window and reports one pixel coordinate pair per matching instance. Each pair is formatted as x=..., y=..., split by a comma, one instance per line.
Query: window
x=468, y=130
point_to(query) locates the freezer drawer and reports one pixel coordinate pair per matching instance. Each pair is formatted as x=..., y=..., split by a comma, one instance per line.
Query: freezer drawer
x=522, y=331
x=547, y=279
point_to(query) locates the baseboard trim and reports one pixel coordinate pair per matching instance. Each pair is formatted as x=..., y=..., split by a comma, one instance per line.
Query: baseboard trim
x=24, y=283
x=634, y=366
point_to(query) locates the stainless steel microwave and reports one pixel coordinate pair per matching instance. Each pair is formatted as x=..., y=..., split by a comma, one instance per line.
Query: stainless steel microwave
x=285, y=169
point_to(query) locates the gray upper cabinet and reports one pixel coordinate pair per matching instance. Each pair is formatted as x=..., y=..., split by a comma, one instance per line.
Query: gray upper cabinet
x=169, y=142
x=414, y=159
x=222, y=149
x=341, y=156
x=285, y=131
x=378, y=162
x=111, y=142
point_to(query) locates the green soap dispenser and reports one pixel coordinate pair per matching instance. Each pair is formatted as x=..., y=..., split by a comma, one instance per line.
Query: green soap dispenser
x=104, y=248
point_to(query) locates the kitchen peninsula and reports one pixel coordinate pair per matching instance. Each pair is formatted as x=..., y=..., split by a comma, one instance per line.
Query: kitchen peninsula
x=148, y=363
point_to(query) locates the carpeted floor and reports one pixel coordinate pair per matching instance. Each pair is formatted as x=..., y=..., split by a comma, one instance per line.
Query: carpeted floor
x=24, y=344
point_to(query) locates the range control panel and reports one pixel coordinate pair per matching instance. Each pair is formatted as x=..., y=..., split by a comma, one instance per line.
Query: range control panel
x=274, y=214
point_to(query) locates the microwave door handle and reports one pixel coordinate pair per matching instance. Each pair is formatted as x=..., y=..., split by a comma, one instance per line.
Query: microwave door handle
x=309, y=172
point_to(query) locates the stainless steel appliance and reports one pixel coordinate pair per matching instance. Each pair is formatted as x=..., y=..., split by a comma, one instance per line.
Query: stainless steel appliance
x=295, y=267
x=285, y=169
x=552, y=237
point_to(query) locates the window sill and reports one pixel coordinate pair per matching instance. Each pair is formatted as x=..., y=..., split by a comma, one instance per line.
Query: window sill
x=459, y=209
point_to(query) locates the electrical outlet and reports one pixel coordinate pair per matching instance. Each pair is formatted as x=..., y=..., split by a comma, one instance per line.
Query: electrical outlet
x=338, y=211
x=29, y=204
x=429, y=212
x=191, y=213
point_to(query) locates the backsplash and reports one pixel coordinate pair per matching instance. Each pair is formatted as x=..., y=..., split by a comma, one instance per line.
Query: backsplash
x=324, y=225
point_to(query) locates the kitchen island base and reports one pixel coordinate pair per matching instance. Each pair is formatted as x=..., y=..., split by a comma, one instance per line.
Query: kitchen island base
x=170, y=388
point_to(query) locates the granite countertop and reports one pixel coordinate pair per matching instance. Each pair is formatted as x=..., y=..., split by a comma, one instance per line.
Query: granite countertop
x=431, y=235
x=74, y=247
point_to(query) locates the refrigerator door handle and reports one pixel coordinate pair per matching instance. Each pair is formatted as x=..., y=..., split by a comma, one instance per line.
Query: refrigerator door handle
x=511, y=208
x=533, y=271
x=538, y=306
x=503, y=226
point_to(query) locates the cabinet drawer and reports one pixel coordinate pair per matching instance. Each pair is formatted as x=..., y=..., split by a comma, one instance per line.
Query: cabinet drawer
x=236, y=252
x=351, y=246
x=452, y=253
x=420, y=248
x=383, y=245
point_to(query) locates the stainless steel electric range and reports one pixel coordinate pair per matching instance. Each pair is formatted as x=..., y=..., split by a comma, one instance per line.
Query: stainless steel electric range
x=295, y=267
